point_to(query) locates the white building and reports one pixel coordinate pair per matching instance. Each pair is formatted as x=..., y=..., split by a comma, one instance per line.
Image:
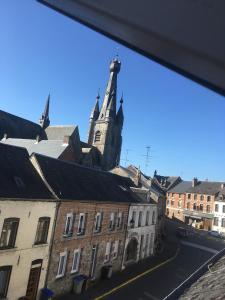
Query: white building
x=141, y=232
x=219, y=211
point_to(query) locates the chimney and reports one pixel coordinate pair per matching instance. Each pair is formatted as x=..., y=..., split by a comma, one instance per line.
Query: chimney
x=5, y=137
x=194, y=181
x=66, y=140
x=38, y=139
x=222, y=185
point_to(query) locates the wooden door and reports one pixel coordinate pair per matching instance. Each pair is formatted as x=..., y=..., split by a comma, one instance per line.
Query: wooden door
x=33, y=280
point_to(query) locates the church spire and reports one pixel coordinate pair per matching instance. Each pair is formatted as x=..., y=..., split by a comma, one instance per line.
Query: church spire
x=119, y=115
x=110, y=94
x=95, y=112
x=44, y=120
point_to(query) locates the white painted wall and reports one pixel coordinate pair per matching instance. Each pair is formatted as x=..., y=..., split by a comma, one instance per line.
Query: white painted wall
x=143, y=230
x=25, y=251
x=219, y=215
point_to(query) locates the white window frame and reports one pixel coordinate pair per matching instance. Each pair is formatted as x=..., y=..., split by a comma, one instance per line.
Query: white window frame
x=112, y=221
x=107, y=251
x=140, y=218
x=70, y=232
x=147, y=218
x=76, y=252
x=115, y=249
x=98, y=221
x=81, y=229
x=62, y=254
x=119, y=220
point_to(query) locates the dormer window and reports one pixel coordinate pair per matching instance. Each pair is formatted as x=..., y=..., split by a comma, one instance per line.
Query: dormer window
x=19, y=182
x=97, y=136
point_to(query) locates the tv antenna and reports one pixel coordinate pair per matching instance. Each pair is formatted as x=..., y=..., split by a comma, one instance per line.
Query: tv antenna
x=147, y=158
x=126, y=160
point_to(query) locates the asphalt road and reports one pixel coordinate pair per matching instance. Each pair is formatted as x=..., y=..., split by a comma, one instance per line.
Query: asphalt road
x=198, y=248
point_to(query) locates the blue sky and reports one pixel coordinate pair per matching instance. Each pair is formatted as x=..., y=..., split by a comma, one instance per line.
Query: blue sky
x=43, y=51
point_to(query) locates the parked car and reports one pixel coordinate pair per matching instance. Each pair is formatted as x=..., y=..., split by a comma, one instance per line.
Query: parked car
x=182, y=232
x=215, y=233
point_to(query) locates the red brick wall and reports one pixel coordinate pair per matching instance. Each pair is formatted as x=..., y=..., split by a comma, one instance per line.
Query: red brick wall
x=85, y=242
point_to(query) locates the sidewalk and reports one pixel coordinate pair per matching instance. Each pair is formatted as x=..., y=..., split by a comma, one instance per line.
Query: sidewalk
x=103, y=286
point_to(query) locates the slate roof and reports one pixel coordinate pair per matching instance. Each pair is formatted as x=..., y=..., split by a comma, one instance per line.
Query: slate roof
x=205, y=187
x=70, y=181
x=58, y=132
x=16, y=127
x=52, y=148
x=166, y=182
x=181, y=187
x=18, y=177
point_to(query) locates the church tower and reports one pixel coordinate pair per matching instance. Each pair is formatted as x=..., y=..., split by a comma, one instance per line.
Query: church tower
x=106, y=124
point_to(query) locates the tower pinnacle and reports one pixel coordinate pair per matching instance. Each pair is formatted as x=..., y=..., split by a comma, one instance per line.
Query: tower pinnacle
x=44, y=120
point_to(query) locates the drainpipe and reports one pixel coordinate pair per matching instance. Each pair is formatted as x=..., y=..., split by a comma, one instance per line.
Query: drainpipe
x=126, y=233
x=58, y=203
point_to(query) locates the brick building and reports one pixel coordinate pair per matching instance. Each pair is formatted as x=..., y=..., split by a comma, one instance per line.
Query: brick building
x=91, y=220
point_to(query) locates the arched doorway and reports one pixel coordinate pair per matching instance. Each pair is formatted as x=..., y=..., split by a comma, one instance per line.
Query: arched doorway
x=131, y=250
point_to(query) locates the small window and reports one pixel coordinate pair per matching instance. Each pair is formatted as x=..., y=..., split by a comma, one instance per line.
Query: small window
x=115, y=249
x=19, y=182
x=208, y=198
x=223, y=222
x=215, y=221
x=216, y=207
x=189, y=196
x=97, y=136
x=194, y=206
x=76, y=260
x=81, y=224
x=201, y=207
x=112, y=221
x=42, y=230
x=107, y=251
x=98, y=222
x=9, y=232
x=68, y=231
x=140, y=219
x=201, y=197
x=147, y=218
x=208, y=209
x=195, y=196
x=62, y=265
x=120, y=220
x=133, y=219
x=5, y=272
x=153, y=217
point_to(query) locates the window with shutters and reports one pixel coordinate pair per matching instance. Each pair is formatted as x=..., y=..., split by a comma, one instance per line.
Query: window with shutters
x=68, y=230
x=76, y=261
x=62, y=264
x=9, y=233
x=5, y=273
x=42, y=230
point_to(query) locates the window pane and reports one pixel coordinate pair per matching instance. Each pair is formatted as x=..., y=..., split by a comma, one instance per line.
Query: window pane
x=4, y=279
x=9, y=231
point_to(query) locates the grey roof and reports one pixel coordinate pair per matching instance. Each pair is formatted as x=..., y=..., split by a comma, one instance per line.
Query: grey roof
x=210, y=285
x=181, y=187
x=52, y=148
x=18, y=178
x=58, y=132
x=205, y=187
x=166, y=182
x=16, y=127
x=73, y=182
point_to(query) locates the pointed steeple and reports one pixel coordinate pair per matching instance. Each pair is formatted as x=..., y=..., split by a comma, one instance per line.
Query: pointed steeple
x=119, y=115
x=95, y=112
x=111, y=90
x=44, y=120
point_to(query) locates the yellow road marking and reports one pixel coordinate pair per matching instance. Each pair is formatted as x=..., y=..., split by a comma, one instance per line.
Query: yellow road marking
x=138, y=276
